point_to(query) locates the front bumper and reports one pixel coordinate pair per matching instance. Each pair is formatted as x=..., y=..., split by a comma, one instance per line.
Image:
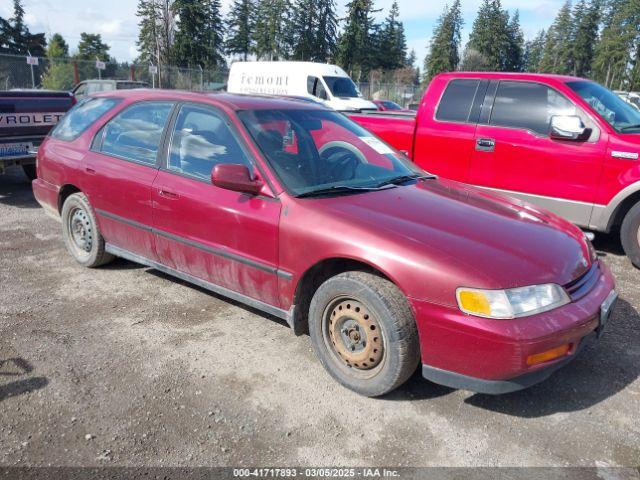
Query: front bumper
x=490, y=356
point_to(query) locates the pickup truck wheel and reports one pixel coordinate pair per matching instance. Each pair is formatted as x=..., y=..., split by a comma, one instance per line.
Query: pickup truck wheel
x=630, y=235
x=30, y=171
x=80, y=232
x=364, y=333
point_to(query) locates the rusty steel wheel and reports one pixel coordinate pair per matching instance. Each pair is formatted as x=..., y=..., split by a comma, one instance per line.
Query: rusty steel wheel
x=355, y=335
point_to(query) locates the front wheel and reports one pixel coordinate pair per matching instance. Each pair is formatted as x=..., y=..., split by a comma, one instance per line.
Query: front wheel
x=364, y=333
x=630, y=235
x=80, y=232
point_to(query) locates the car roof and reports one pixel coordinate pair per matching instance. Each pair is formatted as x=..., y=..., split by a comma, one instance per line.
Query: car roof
x=232, y=101
x=512, y=75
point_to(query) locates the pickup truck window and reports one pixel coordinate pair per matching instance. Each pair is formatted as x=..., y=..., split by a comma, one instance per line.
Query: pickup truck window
x=134, y=134
x=615, y=111
x=528, y=106
x=457, y=100
x=201, y=140
x=81, y=117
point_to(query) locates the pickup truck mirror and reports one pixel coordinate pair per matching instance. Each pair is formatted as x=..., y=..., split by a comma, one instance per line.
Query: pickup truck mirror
x=235, y=177
x=568, y=127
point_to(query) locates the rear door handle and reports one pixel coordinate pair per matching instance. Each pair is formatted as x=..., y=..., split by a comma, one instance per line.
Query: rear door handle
x=168, y=194
x=485, y=145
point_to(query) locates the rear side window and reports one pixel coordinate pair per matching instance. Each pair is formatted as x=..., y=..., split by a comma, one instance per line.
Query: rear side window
x=457, y=101
x=135, y=133
x=528, y=106
x=81, y=117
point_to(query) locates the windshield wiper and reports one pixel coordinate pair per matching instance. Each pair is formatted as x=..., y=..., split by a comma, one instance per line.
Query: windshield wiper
x=342, y=189
x=406, y=178
x=630, y=127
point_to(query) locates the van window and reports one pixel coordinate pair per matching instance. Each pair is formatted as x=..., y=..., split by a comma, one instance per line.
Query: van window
x=457, y=100
x=315, y=88
x=135, y=133
x=342, y=87
x=528, y=106
x=81, y=117
x=201, y=140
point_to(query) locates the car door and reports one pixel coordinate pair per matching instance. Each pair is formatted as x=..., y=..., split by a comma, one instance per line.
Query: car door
x=444, y=140
x=120, y=169
x=513, y=151
x=223, y=237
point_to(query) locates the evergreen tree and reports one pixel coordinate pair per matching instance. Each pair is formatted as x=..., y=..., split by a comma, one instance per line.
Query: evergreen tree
x=586, y=20
x=15, y=36
x=490, y=35
x=303, y=30
x=444, y=54
x=91, y=47
x=58, y=47
x=272, y=33
x=392, y=42
x=515, y=49
x=533, y=52
x=59, y=72
x=198, y=40
x=327, y=30
x=240, y=27
x=355, y=52
x=556, y=55
x=148, y=34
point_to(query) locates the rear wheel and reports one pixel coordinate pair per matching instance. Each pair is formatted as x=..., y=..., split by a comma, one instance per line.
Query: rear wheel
x=630, y=235
x=80, y=232
x=30, y=171
x=364, y=333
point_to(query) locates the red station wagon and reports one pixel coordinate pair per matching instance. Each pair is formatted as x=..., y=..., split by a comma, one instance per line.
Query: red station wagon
x=294, y=209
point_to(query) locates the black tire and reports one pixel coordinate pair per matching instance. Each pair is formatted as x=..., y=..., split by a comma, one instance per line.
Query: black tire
x=80, y=232
x=630, y=235
x=380, y=302
x=30, y=171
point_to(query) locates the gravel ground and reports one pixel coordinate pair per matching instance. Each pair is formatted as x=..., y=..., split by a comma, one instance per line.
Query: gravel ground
x=123, y=365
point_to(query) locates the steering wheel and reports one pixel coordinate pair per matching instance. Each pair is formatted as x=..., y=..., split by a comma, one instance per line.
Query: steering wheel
x=340, y=158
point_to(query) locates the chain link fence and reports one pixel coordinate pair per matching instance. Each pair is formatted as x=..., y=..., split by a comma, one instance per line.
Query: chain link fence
x=18, y=71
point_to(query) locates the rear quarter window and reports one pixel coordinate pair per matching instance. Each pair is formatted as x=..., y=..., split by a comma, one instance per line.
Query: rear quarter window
x=81, y=117
x=457, y=100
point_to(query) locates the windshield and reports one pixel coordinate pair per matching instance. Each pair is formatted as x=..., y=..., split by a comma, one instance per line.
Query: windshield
x=615, y=111
x=342, y=87
x=391, y=105
x=313, y=150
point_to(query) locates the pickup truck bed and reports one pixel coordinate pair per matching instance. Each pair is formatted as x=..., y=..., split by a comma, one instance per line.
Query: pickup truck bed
x=26, y=116
x=396, y=129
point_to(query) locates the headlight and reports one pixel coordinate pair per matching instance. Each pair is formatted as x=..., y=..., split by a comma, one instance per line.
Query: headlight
x=512, y=303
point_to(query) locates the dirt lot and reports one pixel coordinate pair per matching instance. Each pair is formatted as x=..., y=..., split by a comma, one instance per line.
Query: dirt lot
x=123, y=365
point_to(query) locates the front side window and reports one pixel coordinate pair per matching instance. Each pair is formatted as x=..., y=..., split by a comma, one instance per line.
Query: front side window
x=616, y=112
x=342, y=87
x=201, y=140
x=81, y=117
x=457, y=100
x=315, y=88
x=312, y=150
x=528, y=106
x=135, y=133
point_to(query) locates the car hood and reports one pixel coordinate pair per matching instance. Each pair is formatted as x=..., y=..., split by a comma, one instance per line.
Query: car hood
x=480, y=239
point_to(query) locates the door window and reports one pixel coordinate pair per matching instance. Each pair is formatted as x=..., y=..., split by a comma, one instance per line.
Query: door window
x=135, y=133
x=201, y=140
x=528, y=106
x=457, y=100
x=316, y=88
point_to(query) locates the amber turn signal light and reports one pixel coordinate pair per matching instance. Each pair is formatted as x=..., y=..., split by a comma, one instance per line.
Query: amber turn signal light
x=552, y=354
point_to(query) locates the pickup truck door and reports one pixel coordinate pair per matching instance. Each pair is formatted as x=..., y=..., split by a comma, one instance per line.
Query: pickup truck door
x=225, y=238
x=513, y=152
x=446, y=127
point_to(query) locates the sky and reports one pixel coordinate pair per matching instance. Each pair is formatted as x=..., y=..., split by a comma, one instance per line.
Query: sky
x=116, y=20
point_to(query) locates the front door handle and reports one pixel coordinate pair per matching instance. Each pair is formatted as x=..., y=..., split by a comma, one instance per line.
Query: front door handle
x=163, y=192
x=485, y=145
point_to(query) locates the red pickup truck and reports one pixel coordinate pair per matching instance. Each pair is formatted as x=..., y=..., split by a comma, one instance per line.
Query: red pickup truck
x=564, y=143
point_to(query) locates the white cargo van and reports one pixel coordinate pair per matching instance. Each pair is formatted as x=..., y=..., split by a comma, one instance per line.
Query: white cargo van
x=324, y=83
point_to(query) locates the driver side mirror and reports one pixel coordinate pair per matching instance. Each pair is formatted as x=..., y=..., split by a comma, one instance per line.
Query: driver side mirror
x=235, y=177
x=568, y=127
